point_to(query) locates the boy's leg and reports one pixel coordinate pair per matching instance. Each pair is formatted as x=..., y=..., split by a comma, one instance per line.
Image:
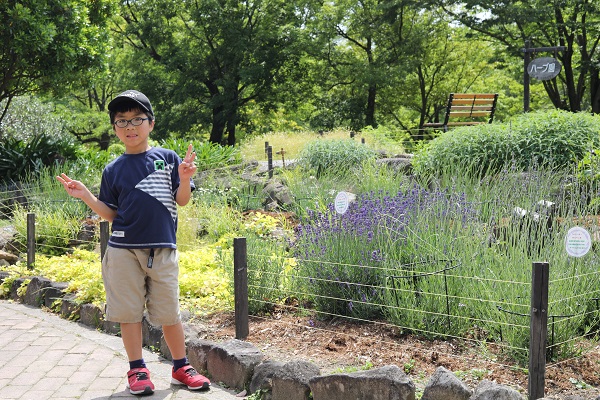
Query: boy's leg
x=124, y=278
x=183, y=372
x=138, y=377
x=163, y=308
x=175, y=339
x=132, y=340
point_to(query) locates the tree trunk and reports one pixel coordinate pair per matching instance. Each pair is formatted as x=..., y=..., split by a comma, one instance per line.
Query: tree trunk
x=370, y=112
x=218, y=125
x=595, y=90
x=218, y=122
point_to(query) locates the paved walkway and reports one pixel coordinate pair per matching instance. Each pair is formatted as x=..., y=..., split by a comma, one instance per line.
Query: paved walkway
x=43, y=356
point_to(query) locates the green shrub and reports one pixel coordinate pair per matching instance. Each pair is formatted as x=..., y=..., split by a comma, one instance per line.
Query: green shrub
x=208, y=155
x=32, y=138
x=21, y=158
x=555, y=138
x=56, y=226
x=335, y=157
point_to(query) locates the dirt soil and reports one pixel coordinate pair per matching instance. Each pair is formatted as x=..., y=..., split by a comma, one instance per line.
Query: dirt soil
x=339, y=346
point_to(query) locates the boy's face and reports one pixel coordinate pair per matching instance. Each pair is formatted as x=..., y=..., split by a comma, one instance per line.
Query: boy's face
x=135, y=138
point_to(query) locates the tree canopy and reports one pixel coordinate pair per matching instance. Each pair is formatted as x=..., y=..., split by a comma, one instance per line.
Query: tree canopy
x=574, y=24
x=221, y=69
x=46, y=44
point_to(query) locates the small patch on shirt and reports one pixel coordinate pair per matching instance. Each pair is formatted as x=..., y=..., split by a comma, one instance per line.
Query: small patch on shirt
x=118, y=233
x=159, y=165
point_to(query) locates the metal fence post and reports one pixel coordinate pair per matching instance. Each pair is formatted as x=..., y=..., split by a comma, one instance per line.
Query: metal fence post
x=538, y=330
x=104, y=235
x=240, y=284
x=30, y=240
x=270, y=160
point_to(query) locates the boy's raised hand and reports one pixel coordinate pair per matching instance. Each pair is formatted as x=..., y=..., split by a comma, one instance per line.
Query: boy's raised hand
x=74, y=188
x=187, y=168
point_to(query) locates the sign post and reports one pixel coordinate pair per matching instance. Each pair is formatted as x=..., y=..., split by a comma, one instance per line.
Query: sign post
x=544, y=68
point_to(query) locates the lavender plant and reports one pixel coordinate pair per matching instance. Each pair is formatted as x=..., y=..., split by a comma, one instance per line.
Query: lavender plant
x=453, y=259
x=348, y=259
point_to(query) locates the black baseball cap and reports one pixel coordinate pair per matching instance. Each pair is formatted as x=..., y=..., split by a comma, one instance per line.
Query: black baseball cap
x=129, y=96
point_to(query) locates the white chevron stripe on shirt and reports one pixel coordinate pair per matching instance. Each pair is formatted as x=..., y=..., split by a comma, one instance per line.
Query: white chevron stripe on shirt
x=158, y=185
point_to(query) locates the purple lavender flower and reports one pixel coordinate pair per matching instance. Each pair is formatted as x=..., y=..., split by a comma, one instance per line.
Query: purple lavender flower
x=353, y=246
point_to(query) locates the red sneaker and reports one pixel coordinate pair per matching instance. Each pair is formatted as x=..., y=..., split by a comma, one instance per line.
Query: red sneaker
x=188, y=376
x=138, y=381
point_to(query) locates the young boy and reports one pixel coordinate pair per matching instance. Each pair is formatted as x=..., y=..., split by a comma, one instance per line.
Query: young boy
x=139, y=194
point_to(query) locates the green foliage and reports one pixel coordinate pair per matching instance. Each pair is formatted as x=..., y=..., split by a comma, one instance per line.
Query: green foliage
x=204, y=221
x=19, y=158
x=208, y=155
x=260, y=394
x=92, y=159
x=270, y=268
x=56, y=226
x=421, y=254
x=588, y=175
x=32, y=138
x=47, y=43
x=81, y=270
x=556, y=139
x=335, y=157
x=204, y=283
x=541, y=23
x=213, y=57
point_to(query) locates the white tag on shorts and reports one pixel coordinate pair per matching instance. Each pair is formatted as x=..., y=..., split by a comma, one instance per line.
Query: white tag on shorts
x=118, y=233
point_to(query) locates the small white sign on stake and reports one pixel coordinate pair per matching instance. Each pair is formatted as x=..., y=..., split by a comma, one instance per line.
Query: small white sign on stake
x=341, y=202
x=578, y=242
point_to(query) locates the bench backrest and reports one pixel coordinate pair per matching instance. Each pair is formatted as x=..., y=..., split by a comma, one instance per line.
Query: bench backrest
x=474, y=106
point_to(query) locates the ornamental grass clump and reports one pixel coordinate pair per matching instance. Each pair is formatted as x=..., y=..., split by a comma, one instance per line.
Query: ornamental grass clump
x=554, y=139
x=335, y=157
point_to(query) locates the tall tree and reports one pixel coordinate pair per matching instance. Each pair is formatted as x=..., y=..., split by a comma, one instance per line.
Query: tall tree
x=220, y=54
x=448, y=63
x=371, y=44
x=574, y=24
x=44, y=44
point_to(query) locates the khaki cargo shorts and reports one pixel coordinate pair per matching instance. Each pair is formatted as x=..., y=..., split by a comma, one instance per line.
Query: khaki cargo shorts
x=131, y=286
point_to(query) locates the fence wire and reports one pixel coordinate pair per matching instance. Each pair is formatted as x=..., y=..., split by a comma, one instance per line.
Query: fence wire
x=503, y=316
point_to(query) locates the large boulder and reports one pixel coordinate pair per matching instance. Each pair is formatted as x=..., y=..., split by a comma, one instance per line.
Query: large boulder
x=444, y=385
x=233, y=363
x=277, y=195
x=488, y=390
x=385, y=383
x=36, y=291
x=291, y=382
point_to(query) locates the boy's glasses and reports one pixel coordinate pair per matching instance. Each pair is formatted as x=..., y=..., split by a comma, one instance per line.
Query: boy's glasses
x=122, y=123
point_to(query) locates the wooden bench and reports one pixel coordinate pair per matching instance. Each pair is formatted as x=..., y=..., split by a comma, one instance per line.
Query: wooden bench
x=467, y=109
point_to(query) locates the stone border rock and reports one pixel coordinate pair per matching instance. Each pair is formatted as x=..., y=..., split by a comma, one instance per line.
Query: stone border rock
x=240, y=365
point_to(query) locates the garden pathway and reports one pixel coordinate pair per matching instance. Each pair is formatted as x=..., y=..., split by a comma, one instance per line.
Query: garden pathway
x=43, y=356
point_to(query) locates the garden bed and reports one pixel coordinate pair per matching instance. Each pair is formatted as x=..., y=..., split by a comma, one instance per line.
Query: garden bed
x=337, y=346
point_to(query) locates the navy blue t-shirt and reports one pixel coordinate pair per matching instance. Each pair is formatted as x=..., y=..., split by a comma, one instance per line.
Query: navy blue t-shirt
x=142, y=188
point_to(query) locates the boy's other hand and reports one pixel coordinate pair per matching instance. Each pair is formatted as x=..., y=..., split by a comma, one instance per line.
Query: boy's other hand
x=187, y=168
x=74, y=188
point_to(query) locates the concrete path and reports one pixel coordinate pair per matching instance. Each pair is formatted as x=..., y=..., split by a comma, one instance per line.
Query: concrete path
x=43, y=356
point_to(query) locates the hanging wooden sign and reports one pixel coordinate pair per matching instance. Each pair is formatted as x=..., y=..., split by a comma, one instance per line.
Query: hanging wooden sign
x=544, y=68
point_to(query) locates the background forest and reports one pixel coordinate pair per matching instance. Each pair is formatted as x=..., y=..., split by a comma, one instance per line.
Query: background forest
x=224, y=70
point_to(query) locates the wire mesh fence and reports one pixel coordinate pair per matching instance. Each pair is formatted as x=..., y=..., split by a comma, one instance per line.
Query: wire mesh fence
x=431, y=299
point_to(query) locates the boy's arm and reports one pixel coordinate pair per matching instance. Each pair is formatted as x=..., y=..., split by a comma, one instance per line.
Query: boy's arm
x=184, y=193
x=186, y=170
x=80, y=191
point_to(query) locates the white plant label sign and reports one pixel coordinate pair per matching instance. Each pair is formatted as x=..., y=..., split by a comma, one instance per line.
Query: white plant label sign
x=341, y=202
x=578, y=242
